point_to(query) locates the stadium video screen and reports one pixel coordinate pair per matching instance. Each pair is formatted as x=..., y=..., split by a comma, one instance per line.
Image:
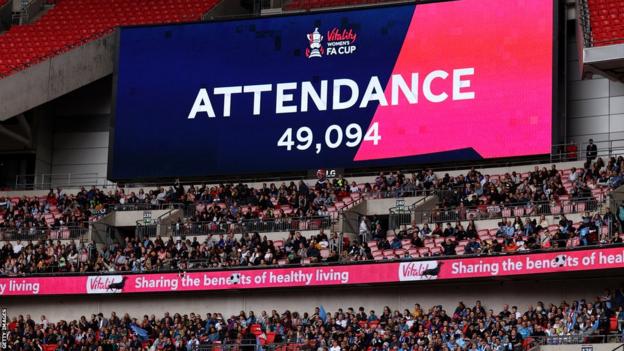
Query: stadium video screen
x=393, y=85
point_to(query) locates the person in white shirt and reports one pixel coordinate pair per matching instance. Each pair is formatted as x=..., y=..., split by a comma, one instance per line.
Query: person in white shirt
x=364, y=230
x=335, y=346
x=17, y=248
x=354, y=188
x=44, y=322
x=341, y=321
x=574, y=175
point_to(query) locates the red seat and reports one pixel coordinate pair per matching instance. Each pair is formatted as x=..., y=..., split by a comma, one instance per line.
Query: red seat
x=607, y=28
x=73, y=23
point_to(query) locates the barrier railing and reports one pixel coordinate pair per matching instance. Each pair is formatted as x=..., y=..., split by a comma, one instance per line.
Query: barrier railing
x=250, y=226
x=510, y=210
x=148, y=206
x=250, y=347
x=575, y=339
x=559, y=153
x=402, y=215
x=146, y=230
x=54, y=233
x=29, y=10
x=47, y=181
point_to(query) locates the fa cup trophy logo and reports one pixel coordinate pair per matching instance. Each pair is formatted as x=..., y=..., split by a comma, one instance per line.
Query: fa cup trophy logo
x=315, y=49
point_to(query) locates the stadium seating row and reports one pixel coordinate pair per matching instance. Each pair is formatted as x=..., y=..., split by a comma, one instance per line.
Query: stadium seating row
x=406, y=330
x=225, y=206
x=218, y=251
x=73, y=23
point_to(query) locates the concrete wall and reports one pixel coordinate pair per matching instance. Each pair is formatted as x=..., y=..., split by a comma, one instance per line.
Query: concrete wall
x=56, y=76
x=43, y=140
x=5, y=16
x=130, y=218
x=595, y=106
x=382, y=206
x=81, y=133
x=493, y=294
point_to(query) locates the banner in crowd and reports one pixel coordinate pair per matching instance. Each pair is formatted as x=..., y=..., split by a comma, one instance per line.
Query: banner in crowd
x=306, y=276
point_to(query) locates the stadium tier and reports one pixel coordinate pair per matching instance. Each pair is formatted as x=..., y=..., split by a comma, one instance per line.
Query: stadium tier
x=73, y=23
x=226, y=251
x=466, y=327
x=607, y=21
x=288, y=175
x=223, y=208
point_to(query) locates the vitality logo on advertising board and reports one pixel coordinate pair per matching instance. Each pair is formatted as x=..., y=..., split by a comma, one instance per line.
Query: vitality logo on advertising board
x=419, y=270
x=107, y=284
x=339, y=42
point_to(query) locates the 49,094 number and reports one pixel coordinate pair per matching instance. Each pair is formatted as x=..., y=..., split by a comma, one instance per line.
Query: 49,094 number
x=334, y=137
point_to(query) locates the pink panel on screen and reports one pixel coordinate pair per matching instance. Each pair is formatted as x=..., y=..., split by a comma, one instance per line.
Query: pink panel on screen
x=509, y=45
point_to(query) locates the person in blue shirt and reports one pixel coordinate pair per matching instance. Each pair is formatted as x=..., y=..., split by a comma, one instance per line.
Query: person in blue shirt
x=473, y=247
x=525, y=330
x=372, y=316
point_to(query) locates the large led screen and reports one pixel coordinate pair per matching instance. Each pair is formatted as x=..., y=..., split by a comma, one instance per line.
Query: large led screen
x=394, y=85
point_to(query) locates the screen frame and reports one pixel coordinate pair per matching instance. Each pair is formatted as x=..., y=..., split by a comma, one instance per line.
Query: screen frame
x=558, y=90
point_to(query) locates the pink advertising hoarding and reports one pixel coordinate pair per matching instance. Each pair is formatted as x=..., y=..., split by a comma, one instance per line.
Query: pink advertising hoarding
x=371, y=273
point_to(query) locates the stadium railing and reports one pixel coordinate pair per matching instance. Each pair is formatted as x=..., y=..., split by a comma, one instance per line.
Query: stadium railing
x=534, y=341
x=252, y=225
x=559, y=153
x=69, y=232
x=511, y=210
x=29, y=10
x=66, y=180
x=252, y=347
x=149, y=206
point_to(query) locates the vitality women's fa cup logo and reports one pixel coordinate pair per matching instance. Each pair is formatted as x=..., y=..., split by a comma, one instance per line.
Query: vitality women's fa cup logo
x=315, y=49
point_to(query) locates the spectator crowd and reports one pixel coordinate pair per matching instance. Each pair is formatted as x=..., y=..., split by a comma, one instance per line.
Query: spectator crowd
x=35, y=216
x=229, y=250
x=473, y=327
x=225, y=205
x=542, y=191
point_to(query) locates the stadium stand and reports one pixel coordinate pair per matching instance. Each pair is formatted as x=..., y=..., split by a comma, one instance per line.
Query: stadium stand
x=510, y=236
x=56, y=215
x=73, y=23
x=225, y=208
x=607, y=25
x=520, y=201
x=542, y=191
x=466, y=327
x=223, y=251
